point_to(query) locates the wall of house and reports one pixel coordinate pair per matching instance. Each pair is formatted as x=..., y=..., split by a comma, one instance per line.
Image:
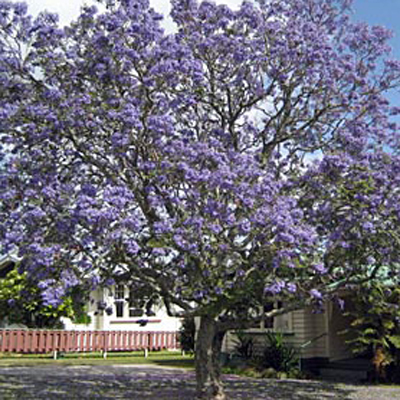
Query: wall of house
x=309, y=327
x=100, y=320
x=282, y=323
x=338, y=348
x=298, y=328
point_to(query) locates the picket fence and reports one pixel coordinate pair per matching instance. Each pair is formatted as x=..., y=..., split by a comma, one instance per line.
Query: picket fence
x=45, y=341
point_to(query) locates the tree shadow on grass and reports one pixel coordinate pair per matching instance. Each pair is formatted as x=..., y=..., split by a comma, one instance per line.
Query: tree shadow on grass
x=146, y=382
x=182, y=363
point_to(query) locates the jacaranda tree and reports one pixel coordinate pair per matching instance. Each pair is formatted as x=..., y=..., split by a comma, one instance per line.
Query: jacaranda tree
x=246, y=158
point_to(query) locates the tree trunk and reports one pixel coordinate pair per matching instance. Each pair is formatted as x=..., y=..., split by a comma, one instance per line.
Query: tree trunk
x=207, y=360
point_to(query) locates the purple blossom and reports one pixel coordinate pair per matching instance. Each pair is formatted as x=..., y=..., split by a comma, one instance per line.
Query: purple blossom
x=240, y=272
x=320, y=268
x=218, y=290
x=52, y=295
x=275, y=288
x=157, y=251
x=162, y=227
x=341, y=303
x=132, y=247
x=291, y=287
x=109, y=310
x=316, y=294
x=285, y=237
x=371, y=260
x=199, y=294
x=197, y=161
x=11, y=302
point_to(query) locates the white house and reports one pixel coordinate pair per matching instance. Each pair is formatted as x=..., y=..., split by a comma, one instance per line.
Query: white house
x=117, y=308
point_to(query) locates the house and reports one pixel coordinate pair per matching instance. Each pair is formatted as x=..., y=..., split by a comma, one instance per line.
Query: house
x=116, y=308
x=316, y=336
x=7, y=263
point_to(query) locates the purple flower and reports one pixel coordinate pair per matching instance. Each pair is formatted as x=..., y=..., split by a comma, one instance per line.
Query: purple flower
x=320, y=268
x=291, y=287
x=109, y=282
x=109, y=310
x=240, y=272
x=316, y=294
x=132, y=247
x=371, y=260
x=166, y=158
x=52, y=296
x=158, y=251
x=199, y=294
x=285, y=237
x=218, y=290
x=275, y=288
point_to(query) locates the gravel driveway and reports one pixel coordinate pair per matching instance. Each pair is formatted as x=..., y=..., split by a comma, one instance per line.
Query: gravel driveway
x=146, y=382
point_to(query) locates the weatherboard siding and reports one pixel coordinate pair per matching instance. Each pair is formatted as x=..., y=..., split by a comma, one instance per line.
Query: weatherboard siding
x=305, y=325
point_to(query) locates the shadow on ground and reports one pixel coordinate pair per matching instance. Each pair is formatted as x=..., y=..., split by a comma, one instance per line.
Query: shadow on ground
x=182, y=363
x=143, y=382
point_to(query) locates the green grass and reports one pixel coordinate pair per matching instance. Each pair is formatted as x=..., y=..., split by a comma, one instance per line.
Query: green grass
x=159, y=358
x=389, y=385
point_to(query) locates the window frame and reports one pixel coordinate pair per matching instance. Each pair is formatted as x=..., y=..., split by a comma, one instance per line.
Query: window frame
x=119, y=301
x=274, y=324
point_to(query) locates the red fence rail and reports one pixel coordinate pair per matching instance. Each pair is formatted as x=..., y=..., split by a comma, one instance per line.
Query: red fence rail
x=45, y=341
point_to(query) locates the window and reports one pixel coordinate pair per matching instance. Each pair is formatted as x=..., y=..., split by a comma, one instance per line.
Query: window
x=135, y=306
x=267, y=322
x=119, y=301
x=129, y=303
x=281, y=323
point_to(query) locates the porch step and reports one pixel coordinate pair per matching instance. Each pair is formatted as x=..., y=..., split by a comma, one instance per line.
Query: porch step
x=346, y=375
x=353, y=370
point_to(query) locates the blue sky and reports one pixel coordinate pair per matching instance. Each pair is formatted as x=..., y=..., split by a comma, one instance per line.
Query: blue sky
x=380, y=12
x=386, y=13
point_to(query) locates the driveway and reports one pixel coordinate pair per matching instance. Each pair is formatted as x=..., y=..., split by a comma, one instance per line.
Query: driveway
x=147, y=382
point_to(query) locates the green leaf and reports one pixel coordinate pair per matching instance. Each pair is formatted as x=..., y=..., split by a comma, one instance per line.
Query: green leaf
x=388, y=325
x=395, y=340
x=154, y=243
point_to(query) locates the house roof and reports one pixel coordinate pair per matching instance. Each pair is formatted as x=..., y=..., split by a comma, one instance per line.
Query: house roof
x=5, y=259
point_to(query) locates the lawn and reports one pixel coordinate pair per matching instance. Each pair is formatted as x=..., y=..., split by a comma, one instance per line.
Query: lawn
x=157, y=358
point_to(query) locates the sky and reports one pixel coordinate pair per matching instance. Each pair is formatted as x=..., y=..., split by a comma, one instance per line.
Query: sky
x=381, y=12
x=375, y=12
x=386, y=13
x=68, y=9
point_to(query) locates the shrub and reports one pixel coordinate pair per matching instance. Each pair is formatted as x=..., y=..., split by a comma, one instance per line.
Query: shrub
x=277, y=354
x=244, y=345
x=375, y=326
x=187, y=334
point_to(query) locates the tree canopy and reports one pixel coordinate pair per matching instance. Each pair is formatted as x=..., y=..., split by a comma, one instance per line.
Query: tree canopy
x=247, y=157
